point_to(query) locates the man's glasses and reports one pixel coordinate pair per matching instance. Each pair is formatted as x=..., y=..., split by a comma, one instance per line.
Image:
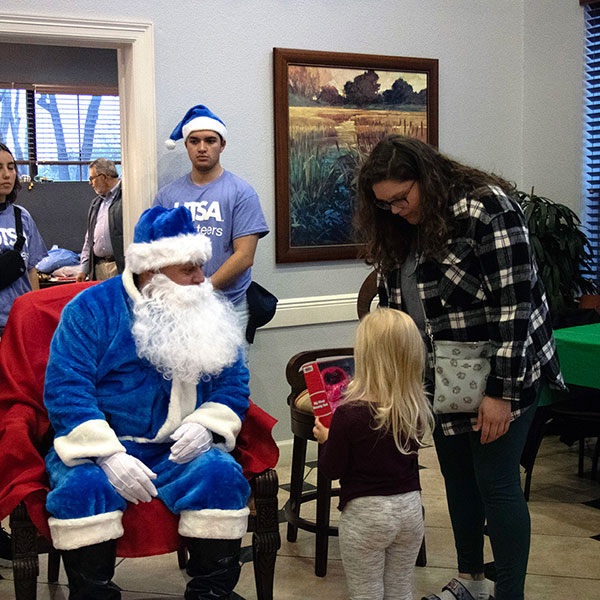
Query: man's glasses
x=91, y=178
x=398, y=202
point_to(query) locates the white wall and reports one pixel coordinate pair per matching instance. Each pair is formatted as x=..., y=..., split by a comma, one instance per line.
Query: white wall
x=497, y=63
x=554, y=58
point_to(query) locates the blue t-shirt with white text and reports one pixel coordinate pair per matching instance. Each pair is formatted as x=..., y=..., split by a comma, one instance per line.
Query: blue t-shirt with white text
x=223, y=210
x=33, y=251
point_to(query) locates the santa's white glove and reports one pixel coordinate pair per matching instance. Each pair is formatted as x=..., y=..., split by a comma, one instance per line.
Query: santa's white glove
x=191, y=440
x=129, y=476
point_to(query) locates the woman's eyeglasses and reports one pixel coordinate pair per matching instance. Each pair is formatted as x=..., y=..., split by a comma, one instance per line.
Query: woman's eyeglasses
x=398, y=202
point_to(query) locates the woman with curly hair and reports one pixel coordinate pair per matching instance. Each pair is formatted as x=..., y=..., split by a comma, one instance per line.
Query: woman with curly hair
x=451, y=248
x=17, y=232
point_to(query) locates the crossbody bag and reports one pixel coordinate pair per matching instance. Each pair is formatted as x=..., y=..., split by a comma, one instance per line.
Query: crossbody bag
x=12, y=265
x=460, y=370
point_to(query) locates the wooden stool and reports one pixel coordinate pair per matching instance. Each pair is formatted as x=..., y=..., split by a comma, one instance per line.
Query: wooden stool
x=302, y=425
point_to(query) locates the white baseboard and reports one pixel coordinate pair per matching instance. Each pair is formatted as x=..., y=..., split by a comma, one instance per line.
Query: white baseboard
x=292, y=312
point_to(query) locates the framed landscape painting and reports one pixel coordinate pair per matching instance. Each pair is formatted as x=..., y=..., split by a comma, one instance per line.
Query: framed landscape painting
x=331, y=109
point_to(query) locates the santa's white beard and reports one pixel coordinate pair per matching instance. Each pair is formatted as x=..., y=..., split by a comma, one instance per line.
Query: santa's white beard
x=185, y=331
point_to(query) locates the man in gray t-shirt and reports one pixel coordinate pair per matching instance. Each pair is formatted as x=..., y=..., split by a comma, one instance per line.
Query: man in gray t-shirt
x=224, y=207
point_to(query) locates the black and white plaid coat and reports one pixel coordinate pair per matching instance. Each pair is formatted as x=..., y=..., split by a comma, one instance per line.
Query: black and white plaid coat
x=487, y=288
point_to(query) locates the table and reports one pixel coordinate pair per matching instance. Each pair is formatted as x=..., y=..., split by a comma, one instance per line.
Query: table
x=46, y=283
x=579, y=353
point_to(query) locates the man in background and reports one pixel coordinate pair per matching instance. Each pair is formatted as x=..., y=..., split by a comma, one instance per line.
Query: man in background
x=102, y=254
x=224, y=207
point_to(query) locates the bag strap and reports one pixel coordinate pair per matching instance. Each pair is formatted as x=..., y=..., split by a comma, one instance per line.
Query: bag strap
x=19, y=227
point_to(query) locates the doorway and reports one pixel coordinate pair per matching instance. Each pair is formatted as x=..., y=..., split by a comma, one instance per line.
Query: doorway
x=134, y=43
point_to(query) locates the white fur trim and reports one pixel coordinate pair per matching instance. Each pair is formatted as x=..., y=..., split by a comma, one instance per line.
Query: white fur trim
x=170, y=144
x=220, y=419
x=69, y=534
x=202, y=123
x=181, y=404
x=214, y=523
x=129, y=285
x=176, y=250
x=90, y=439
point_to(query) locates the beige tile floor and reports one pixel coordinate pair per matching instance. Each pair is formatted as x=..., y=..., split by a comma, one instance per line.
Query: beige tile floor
x=564, y=562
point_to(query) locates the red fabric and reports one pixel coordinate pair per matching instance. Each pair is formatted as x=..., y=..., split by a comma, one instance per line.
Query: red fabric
x=24, y=428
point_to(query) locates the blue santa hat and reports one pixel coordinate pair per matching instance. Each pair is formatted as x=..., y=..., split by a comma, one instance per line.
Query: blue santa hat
x=166, y=236
x=198, y=117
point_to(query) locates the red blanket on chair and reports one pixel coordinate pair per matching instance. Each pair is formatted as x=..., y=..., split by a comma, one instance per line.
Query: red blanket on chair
x=24, y=428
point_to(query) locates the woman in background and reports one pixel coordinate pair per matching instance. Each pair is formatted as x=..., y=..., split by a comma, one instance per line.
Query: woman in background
x=33, y=249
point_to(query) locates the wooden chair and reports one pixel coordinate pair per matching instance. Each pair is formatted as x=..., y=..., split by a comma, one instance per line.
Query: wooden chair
x=574, y=417
x=590, y=301
x=302, y=422
x=366, y=294
x=580, y=414
x=25, y=436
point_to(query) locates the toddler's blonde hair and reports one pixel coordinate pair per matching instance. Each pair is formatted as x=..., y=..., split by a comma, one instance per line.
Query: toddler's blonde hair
x=389, y=356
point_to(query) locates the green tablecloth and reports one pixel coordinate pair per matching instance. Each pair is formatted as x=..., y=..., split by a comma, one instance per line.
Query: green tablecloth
x=579, y=353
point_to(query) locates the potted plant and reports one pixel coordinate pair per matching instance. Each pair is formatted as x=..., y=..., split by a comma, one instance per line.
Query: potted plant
x=561, y=249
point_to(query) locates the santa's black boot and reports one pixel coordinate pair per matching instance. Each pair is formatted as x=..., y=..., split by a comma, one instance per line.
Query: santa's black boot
x=90, y=570
x=214, y=566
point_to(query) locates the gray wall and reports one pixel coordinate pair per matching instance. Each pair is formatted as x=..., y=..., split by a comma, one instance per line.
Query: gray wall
x=510, y=101
x=553, y=100
x=59, y=210
x=58, y=65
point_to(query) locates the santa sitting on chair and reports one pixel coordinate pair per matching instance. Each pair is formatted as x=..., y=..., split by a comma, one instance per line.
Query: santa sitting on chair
x=146, y=389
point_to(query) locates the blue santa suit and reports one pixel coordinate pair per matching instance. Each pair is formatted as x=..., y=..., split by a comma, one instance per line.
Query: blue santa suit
x=102, y=398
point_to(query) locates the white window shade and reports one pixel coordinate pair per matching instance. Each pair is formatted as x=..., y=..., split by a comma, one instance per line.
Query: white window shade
x=63, y=131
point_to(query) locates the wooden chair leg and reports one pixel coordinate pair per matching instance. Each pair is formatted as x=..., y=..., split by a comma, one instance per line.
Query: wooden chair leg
x=25, y=556
x=595, y=458
x=323, y=514
x=296, y=483
x=537, y=431
x=53, y=565
x=266, y=540
x=422, y=556
x=527, y=487
x=264, y=549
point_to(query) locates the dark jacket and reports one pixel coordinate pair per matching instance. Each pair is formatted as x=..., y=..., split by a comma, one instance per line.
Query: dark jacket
x=115, y=225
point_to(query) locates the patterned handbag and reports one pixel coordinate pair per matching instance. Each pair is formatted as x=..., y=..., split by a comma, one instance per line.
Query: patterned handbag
x=461, y=372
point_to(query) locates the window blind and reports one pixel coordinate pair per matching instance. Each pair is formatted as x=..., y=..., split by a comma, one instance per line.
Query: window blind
x=59, y=134
x=592, y=133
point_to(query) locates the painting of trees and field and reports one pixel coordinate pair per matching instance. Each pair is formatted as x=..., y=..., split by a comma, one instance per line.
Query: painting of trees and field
x=336, y=116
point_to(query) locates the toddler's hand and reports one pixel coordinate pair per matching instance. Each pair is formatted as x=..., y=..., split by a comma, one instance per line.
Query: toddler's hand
x=320, y=431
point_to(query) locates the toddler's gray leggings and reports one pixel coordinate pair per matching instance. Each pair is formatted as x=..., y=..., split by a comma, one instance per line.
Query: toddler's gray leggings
x=380, y=537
